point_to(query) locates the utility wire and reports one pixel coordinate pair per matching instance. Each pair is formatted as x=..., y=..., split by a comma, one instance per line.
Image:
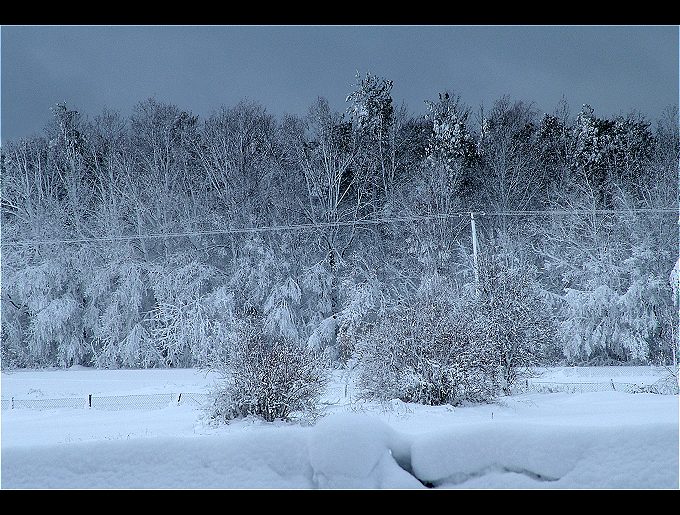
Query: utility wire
x=345, y=223
x=241, y=230
x=559, y=212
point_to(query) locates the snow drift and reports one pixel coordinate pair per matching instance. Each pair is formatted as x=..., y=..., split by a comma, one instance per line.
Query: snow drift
x=546, y=456
x=357, y=451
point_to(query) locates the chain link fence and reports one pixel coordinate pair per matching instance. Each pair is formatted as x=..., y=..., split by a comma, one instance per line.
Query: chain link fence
x=111, y=402
x=667, y=386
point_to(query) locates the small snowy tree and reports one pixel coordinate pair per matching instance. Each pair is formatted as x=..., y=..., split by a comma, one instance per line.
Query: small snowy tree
x=271, y=377
x=518, y=323
x=431, y=350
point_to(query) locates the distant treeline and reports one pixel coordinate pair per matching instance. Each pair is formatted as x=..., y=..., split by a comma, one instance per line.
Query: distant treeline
x=569, y=210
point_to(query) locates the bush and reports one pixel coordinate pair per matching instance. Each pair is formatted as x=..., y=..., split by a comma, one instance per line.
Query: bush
x=430, y=352
x=518, y=323
x=268, y=377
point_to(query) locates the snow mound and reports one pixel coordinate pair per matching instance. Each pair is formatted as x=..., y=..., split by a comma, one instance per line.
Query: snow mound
x=349, y=450
x=272, y=458
x=345, y=451
x=357, y=451
x=514, y=455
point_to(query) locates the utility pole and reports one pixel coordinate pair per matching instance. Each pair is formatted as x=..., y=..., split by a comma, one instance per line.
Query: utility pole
x=675, y=284
x=676, y=300
x=474, y=251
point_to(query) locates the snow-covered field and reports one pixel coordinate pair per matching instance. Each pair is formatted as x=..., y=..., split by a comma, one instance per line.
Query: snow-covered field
x=632, y=374
x=604, y=439
x=79, y=381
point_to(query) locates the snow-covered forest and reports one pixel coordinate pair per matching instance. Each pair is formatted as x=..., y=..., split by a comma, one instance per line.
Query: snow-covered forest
x=154, y=240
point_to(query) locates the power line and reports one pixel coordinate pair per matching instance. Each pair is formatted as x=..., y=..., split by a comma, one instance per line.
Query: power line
x=560, y=212
x=345, y=223
x=241, y=230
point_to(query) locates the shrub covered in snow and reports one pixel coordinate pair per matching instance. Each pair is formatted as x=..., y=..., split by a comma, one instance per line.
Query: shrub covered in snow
x=430, y=351
x=667, y=385
x=518, y=323
x=271, y=377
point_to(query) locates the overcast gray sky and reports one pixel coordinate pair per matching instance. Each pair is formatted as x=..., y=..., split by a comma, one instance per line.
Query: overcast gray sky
x=199, y=68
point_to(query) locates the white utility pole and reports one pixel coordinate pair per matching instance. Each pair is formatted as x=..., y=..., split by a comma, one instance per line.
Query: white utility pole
x=474, y=251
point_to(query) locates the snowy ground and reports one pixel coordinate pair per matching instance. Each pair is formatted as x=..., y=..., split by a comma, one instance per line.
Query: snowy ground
x=79, y=381
x=591, y=440
x=639, y=375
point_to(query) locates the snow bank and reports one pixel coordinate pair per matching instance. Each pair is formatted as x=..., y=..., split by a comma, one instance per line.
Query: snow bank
x=28, y=428
x=358, y=451
x=520, y=455
x=591, y=440
x=273, y=458
x=344, y=451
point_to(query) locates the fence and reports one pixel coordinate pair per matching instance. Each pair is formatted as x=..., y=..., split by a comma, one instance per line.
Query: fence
x=111, y=402
x=659, y=387
x=163, y=400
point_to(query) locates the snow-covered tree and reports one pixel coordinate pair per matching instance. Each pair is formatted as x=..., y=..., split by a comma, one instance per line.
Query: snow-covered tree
x=451, y=144
x=45, y=312
x=271, y=377
x=431, y=350
x=609, y=152
x=236, y=155
x=508, y=177
x=372, y=115
x=185, y=323
x=371, y=105
x=518, y=322
x=333, y=200
x=329, y=226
